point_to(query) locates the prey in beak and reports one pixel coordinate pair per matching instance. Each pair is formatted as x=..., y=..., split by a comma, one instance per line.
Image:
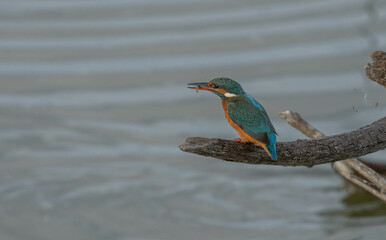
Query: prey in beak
x=200, y=86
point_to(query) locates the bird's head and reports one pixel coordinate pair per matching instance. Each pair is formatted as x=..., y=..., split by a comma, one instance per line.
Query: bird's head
x=222, y=87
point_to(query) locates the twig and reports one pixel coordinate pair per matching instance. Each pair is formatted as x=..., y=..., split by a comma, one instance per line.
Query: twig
x=347, y=167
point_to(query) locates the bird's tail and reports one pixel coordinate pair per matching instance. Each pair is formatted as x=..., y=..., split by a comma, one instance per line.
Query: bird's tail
x=271, y=146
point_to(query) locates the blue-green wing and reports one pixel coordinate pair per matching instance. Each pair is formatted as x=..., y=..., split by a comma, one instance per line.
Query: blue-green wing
x=252, y=119
x=263, y=112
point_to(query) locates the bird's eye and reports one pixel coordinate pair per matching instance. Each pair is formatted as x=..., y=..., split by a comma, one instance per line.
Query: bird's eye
x=215, y=86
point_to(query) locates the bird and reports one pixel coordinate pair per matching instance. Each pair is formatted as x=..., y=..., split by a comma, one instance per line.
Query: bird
x=244, y=113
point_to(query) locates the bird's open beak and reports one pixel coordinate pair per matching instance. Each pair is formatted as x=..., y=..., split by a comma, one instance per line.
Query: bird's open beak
x=201, y=86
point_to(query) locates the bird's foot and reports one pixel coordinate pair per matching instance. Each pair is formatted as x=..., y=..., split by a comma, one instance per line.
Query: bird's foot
x=238, y=140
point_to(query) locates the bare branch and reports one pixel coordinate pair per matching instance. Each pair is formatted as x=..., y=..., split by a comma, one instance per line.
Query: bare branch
x=367, y=172
x=357, y=143
x=296, y=121
x=359, y=182
x=347, y=167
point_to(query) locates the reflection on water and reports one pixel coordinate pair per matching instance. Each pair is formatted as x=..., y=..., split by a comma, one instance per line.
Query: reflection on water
x=364, y=205
x=93, y=106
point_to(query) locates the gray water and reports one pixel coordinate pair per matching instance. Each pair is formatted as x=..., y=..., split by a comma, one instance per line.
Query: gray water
x=93, y=106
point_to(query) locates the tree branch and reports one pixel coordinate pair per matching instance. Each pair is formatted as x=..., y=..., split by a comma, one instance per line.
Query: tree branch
x=346, y=168
x=308, y=153
x=357, y=143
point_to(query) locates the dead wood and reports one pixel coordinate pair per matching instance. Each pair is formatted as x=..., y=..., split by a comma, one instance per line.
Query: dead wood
x=308, y=153
x=352, y=169
x=376, y=71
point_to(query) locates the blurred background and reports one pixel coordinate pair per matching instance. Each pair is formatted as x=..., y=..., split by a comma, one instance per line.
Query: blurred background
x=94, y=104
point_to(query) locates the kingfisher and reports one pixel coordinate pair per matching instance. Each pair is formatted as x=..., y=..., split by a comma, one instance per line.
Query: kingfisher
x=244, y=113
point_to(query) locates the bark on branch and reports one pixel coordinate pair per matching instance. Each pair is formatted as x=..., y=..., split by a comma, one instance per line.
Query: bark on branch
x=308, y=153
x=376, y=71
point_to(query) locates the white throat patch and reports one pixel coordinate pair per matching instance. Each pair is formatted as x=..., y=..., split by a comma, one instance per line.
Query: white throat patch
x=230, y=95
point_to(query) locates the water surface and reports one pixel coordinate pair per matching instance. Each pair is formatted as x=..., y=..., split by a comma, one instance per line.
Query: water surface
x=93, y=106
